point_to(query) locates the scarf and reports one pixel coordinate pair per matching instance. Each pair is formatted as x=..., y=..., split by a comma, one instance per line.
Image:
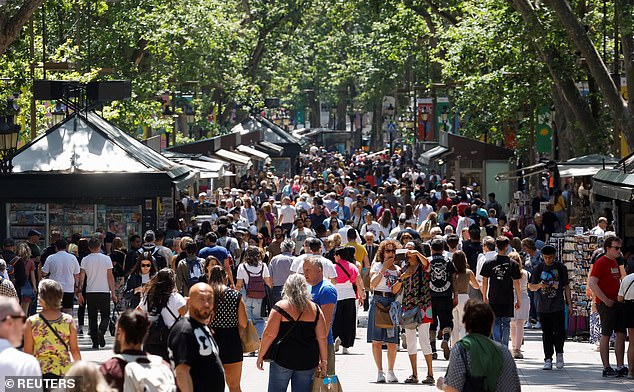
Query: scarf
x=486, y=359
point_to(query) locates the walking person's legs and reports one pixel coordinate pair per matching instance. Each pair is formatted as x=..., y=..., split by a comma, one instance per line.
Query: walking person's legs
x=91, y=304
x=233, y=374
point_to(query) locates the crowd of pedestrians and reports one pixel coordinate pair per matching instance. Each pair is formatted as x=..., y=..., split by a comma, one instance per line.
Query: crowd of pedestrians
x=293, y=260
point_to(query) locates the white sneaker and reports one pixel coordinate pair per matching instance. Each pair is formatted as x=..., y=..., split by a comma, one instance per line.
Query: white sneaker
x=548, y=364
x=391, y=377
x=380, y=379
x=337, y=343
x=345, y=350
x=560, y=361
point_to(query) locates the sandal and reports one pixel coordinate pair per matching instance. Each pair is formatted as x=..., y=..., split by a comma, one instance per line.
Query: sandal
x=429, y=380
x=411, y=380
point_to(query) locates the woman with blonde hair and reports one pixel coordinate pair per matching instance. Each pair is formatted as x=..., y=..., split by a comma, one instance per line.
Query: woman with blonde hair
x=50, y=336
x=29, y=290
x=521, y=315
x=87, y=378
x=298, y=327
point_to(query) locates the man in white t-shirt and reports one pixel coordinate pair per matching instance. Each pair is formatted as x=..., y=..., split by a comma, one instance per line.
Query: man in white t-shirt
x=300, y=234
x=287, y=215
x=63, y=267
x=96, y=270
x=314, y=247
x=14, y=363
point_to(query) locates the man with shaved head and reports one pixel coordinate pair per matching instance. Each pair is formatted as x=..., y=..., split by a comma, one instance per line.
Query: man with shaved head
x=14, y=362
x=193, y=350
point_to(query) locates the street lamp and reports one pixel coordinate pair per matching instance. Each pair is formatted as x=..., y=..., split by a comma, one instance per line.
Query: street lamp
x=58, y=114
x=9, y=133
x=444, y=116
x=424, y=116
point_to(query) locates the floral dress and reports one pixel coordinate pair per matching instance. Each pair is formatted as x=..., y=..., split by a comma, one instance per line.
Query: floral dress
x=53, y=357
x=416, y=293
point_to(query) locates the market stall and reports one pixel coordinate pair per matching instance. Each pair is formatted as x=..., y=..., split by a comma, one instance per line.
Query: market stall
x=84, y=173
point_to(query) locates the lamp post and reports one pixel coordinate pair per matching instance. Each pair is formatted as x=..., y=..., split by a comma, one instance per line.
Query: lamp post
x=58, y=114
x=9, y=133
x=444, y=117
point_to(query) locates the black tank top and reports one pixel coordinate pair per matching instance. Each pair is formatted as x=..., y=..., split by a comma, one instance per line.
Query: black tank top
x=299, y=350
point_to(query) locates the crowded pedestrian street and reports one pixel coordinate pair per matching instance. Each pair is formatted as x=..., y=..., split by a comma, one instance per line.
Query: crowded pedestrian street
x=316, y=196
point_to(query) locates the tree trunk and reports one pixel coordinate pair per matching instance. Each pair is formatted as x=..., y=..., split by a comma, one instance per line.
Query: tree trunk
x=10, y=27
x=342, y=108
x=577, y=34
x=576, y=104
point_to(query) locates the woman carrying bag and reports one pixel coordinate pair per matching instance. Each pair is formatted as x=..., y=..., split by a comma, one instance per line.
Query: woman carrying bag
x=50, y=336
x=229, y=320
x=294, y=340
x=383, y=275
x=416, y=308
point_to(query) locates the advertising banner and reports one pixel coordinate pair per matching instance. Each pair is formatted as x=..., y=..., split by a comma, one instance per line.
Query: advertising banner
x=544, y=130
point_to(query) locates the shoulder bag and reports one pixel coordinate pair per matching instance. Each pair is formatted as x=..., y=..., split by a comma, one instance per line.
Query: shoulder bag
x=271, y=353
x=54, y=331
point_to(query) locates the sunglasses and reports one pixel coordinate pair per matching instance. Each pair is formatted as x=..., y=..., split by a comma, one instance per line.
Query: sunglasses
x=18, y=317
x=146, y=265
x=615, y=247
x=390, y=251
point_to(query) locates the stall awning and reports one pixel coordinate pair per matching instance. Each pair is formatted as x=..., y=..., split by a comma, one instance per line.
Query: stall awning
x=207, y=169
x=232, y=157
x=578, y=171
x=426, y=157
x=252, y=152
x=270, y=148
x=374, y=154
x=522, y=172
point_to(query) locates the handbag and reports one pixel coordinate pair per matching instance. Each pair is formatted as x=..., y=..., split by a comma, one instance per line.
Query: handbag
x=249, y=338
x=271, y=354
x=326, y=384
x=382, y=317
x=412, y=318
x=112, y=323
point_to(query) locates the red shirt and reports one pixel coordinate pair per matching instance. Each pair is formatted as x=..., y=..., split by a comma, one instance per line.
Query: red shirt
x=444, y=202
x=607, y=270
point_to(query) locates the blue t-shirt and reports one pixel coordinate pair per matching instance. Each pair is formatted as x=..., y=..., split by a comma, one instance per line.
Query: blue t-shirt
x=325, y=293
x=219, y=252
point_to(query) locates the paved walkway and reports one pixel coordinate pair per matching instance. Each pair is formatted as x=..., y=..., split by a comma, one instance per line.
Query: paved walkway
x=357, y=372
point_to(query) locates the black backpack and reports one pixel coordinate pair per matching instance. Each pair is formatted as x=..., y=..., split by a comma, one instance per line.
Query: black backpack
x=158, y=331
x=159, y=260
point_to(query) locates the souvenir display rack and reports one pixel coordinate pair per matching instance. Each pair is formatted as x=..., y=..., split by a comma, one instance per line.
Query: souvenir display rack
x=575, y=252
x=520, y=209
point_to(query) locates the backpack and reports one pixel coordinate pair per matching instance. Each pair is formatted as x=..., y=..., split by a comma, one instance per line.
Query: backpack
x=159, y=260
x=255, y=287
x=146, y=373
x=158, y=331
x=11, y=268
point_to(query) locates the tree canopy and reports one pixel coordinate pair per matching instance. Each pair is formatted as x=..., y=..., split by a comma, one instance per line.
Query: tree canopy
x=498, y=61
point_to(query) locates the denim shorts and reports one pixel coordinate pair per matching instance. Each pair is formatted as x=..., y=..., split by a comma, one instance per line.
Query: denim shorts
x=385, y=335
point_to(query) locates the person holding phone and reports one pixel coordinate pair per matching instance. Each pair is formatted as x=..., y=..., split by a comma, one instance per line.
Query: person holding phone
x=383, y=276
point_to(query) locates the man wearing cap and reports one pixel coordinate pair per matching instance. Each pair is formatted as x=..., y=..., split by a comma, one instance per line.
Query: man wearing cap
x=550, y=282
x=343, y=211
x=14, y=363
x=303, y=204
x=202, y=201
x=15, y=265
x=443, y=293
x=32, y=241
x=63, y=267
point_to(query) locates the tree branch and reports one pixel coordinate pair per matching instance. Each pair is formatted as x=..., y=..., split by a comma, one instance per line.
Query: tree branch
x=10, y=28
x=577, y=33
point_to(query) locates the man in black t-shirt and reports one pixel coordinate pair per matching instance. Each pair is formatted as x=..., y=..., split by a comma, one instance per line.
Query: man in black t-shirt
x=192, y=348
x=111, y=234
x=500, y=277
x=443, y=293
x=550, y=281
